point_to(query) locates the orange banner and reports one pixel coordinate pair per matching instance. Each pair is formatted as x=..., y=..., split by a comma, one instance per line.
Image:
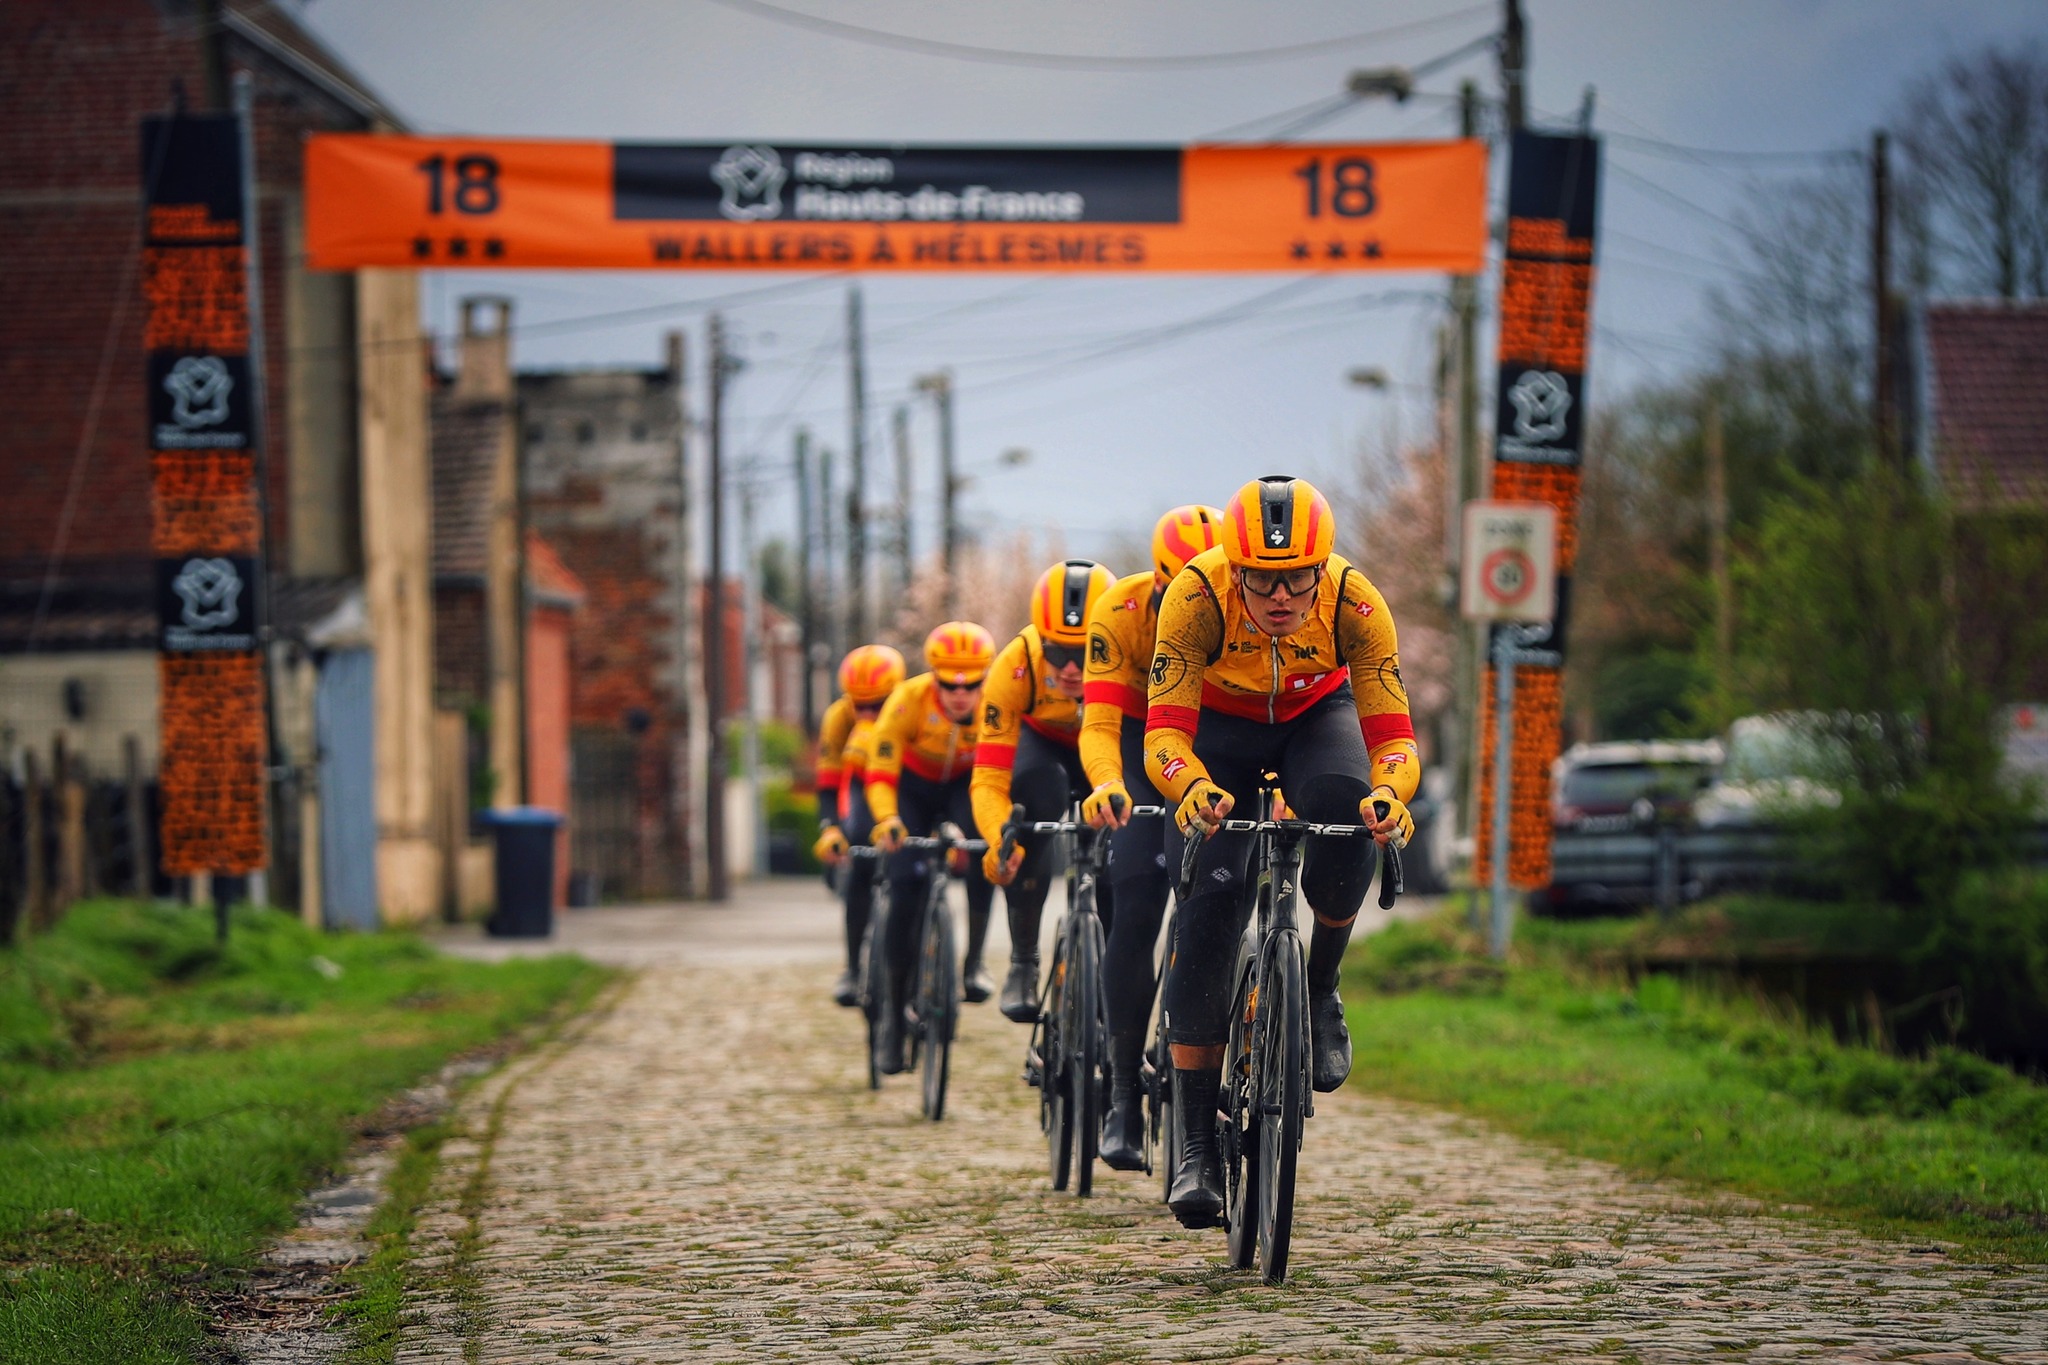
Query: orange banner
x=503, y=204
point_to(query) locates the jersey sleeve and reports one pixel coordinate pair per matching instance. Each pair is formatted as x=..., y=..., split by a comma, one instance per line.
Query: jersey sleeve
x=832, y=732
x=1190, y=636
x=1005, y=699
x=1112, y=688
x=1366, y=639
x=894, y=729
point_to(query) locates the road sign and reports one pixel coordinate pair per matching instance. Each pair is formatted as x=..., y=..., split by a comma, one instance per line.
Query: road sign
x=373, y=200
x=1510, y=570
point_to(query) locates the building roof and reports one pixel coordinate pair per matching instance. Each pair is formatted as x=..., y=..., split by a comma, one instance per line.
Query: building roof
x=271, y=31
x=548, y=578
x=1988, y=376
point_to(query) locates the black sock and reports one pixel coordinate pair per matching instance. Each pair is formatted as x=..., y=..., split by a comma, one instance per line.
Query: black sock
x=1326, y=956
x=977, y=934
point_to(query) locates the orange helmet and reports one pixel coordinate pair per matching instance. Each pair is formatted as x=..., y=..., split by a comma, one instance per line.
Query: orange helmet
x=1278, y=522
x=1182, y=534
x=1060, y=602
x=870, y=673
x=959, y=652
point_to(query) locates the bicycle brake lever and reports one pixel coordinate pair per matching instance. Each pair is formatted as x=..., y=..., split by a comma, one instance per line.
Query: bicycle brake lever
x=1391, y=882
x=1009, y=844
x=1190, y=854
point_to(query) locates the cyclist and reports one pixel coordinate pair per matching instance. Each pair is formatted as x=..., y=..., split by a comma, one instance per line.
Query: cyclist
x=1030, y=728
x=920, y=763
x=867, y=675
x=1121, y=627
x=1274, y=655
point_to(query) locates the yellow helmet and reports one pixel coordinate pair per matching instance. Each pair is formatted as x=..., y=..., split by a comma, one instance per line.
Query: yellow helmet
x=1060, y=602
x=1182, y=534
x=1278, y=522
x=870, y=673
x=959, y=652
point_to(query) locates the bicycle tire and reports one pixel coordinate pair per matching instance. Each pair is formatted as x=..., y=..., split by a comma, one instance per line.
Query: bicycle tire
x=874, y=989
x=1164, y=1128
x=937, y=1004
x=1054, y=1114
x=1239, y=1136
x=1084, y=1047
x=1282, y=1091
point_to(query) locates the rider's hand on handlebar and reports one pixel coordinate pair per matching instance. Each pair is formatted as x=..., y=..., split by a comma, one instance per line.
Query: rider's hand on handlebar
x=1397, y=826
x=1203, y=808
x=889, y=834
x=1109, y=804
x=831, y=846
x=999, y=872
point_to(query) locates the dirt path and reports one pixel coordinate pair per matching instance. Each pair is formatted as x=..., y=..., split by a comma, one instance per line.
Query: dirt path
x=702, y=1174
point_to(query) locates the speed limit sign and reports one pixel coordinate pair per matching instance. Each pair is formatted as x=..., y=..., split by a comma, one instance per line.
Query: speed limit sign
x=1510, y=556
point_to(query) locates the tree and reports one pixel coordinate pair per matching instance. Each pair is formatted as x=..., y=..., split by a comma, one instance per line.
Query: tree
x=1974, y=193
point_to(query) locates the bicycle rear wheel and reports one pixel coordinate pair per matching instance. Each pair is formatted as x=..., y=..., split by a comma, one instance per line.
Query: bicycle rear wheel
x=1237, y=1101
x=874, y=989
x=1084, y=1047
x=938, y=1001
x=1281, y=1077
x=1164, y=1128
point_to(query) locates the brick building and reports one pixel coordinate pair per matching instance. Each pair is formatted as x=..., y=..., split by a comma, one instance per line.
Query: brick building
x=345, y=431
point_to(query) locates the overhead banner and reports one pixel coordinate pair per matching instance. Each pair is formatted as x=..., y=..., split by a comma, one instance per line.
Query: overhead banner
x=1546, y=308
x=203, y=494
x=460, y=202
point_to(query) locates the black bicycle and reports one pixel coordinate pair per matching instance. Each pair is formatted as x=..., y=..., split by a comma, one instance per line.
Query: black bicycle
x=1064, y=1058
x=1162, y=1129
x=874, y=967
x=1265, y=1097
x=934, y=1013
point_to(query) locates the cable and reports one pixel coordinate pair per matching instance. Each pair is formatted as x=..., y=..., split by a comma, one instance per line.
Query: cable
x=1318, y=112
x=1645, y=183
x=1062, y=61
x=1679, y=152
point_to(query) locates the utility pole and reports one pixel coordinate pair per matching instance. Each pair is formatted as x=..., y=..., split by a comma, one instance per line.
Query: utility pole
x=856, y=491
x=1470, y=485
x=691, y=703
x=806, y=591
x=714, y=620
x=1884, y=401
x=213, y=61
x=828, y=595
x=900, y=421
x=1717, y=539
x=1514, y=65
x=750, y=664
x=940, y=386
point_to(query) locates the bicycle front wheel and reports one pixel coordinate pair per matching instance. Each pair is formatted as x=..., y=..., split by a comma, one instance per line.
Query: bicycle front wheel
x=938, y=1002
x=1282, y=1088
x=1238, y=1140
x=1084, y=1047
x=874, y=991
x=1055, y=1114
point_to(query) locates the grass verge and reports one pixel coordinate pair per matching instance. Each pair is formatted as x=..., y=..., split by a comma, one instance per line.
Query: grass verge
x=1722, y=1091
x=163, y=1102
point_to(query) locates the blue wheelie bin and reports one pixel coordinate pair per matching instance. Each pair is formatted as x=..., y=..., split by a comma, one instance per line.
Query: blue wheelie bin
x=524, y=857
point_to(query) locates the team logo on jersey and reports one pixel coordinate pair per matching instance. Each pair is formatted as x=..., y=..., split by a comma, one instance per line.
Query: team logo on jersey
x=990, y=716
x=1098, y=648
x=1362, y=608
x=1301, y=682
x=1131, y=605
x=1173, y=768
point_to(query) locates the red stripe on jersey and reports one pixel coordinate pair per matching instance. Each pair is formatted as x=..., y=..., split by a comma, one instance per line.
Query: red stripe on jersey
x=1002, y=756
x=1122, y=696
x=1182, y=718
x=1385, y=729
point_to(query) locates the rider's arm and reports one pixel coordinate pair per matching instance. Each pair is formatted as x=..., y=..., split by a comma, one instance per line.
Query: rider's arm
x=1004, y=699
x=894, y=728
x=853, y=764
x=1365, y=636
x=1190, y=638
x=832, y=733
x=1113, y=686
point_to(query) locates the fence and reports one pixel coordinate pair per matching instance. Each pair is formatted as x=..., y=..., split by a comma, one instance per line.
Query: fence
x=67, y=834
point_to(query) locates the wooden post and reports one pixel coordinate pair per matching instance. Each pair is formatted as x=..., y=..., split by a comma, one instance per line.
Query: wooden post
x=70, y=795
x=12, y=892
x=35, y=873
x=141, y=838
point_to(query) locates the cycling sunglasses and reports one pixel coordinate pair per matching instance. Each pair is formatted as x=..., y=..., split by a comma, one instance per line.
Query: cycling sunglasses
x=1059, y=656
x=1267, y=582
x=945, y=686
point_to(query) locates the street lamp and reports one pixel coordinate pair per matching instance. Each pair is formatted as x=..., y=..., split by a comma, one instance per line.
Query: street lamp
x=1367, y=377
x=1395, y=82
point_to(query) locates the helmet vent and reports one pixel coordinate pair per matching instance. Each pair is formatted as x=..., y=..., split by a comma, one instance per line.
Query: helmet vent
x=1074, y=593
x=1276, y=508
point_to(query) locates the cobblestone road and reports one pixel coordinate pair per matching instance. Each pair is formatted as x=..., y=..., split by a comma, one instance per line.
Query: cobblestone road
x=700, y=1173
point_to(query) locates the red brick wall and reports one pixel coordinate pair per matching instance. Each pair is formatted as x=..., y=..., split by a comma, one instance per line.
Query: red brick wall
x=76, y=78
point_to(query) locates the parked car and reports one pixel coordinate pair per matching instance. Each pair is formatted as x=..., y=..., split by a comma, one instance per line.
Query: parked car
x=1610, y=803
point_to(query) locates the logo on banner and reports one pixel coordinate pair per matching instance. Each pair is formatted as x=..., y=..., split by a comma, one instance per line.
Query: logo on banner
x=1542, y=403
x=199, y=387
x=750, y=183
x=210, y=590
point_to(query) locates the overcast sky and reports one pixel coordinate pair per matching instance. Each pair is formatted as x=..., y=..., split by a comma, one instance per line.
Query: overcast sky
x=1115, y=440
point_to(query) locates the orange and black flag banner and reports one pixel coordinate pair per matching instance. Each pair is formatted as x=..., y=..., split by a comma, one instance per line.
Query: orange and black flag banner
x=374, y=200
x=203, y=498
x=1546, y=309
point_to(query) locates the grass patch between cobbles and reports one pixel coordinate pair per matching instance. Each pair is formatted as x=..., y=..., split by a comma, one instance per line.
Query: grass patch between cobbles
x=1726, y=1092
x=165, y=1102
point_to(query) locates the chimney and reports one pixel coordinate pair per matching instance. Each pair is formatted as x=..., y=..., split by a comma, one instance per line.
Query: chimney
x=486, y=357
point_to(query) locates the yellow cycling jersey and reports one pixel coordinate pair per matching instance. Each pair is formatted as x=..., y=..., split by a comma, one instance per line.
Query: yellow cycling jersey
x=913, y=733
x=853, y=760
x=1121, y=626
x=1018, y=693
x=1211, y=655
x=833, y=729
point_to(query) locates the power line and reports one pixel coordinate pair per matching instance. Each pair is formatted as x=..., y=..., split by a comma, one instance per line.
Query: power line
x=1645, y=183
x=1680, y=152
x=1314, y=114
x=1064, y=61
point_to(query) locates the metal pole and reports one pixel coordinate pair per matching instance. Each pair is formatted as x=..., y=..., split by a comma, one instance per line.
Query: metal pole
x=949, y=491
x=806, y=591
x=1504, y=647
x=714, y=625
x=750, y=650
x=856, y=491
x=900, y=421
x=1514, y=63
x=1465, y=301
x=834, y=624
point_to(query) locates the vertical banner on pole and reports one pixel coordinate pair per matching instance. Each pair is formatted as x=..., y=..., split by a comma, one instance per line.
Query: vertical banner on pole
x=205, y=522
x=1545, y=311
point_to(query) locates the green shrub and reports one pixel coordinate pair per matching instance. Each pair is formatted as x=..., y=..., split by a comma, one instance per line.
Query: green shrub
x=794, y=813
x=1985, y=956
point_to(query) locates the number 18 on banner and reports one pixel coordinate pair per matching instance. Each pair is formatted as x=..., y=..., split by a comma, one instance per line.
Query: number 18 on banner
x=1510, y=562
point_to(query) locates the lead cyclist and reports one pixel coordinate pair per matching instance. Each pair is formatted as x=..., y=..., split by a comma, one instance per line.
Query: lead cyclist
x=1274, y=655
